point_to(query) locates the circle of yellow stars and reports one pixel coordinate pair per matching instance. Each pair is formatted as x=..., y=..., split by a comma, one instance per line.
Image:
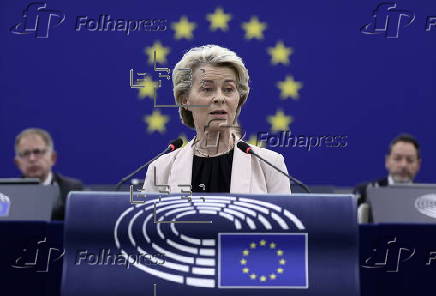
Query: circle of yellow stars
x=219, y=20
x=262, y=277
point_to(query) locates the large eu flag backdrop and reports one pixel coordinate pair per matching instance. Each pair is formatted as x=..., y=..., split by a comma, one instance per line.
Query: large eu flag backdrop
x=317, y=68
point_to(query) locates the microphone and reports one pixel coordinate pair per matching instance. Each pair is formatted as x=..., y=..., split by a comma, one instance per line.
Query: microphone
x=174, y=145
x=248, y=150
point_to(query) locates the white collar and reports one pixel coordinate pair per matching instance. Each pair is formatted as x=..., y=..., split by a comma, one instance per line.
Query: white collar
x=391, y=181
x=49, y=179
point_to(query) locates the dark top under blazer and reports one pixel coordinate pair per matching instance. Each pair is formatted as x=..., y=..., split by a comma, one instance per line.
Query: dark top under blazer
x=361, y=193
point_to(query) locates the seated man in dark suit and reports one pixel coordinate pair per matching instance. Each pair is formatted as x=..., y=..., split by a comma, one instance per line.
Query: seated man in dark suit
x=34, y=157
x=403, y=162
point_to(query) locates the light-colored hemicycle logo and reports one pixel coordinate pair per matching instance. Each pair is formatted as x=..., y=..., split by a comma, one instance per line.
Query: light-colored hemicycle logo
x=38, y=20
x=199, y=268
x=5, y=204
x=426, y=205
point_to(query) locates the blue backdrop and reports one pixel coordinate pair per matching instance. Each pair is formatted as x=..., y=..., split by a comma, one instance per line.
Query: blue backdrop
x=340, y=79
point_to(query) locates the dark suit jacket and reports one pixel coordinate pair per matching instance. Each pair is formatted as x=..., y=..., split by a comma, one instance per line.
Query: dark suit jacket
x=66, y=185
x=361, y=193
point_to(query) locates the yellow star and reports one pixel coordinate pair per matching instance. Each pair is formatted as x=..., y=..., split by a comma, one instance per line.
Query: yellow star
x=289, y=88
x=280, y=121
x=279, y=253
x=161, y=53
x=254, y=28
x=262, y=278
x=148, y=87
x=219, y=20
x=253, y=246
x=262, y=242
x=280, y=53
x=272, y=245
x=183, y=28
x=156, y=122
x=245, y=252
x=245, y=270
x=253, y=141
x=253, y=276
x=282, y=261
x=272, y=276
x=280, y=270
x=243, y=261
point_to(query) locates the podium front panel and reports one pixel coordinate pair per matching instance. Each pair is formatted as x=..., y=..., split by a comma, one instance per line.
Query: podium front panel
x=232, y=244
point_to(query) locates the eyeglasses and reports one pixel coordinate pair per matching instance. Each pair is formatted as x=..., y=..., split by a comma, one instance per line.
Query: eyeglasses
x=37, y=152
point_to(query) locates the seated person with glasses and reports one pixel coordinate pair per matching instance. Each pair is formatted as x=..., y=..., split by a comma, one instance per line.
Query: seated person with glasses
x=35, y=157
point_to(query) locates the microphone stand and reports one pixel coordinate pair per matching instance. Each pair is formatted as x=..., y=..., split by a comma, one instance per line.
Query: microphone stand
x=293, y=179
x=124, y=180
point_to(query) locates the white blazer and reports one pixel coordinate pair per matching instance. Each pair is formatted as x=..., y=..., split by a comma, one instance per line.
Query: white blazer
x=249, y=174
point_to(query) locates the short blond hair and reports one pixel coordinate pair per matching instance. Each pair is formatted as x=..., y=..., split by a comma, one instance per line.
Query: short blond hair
x=45, y=136
x=207, y=55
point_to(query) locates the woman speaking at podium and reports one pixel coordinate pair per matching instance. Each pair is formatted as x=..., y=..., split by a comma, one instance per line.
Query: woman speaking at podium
x=210, y=86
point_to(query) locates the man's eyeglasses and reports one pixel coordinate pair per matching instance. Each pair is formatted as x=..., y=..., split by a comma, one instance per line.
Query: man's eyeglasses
x=37, y=152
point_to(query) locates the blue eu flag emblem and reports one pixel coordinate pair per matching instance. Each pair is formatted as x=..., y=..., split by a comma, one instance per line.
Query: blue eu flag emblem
x=263, y=260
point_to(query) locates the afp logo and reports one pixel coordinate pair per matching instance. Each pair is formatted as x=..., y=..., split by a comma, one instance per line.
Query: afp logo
x=388, y=20
x=38, y=20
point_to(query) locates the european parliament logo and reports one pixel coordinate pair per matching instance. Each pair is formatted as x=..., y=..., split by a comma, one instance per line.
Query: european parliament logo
x=264, y=260
x=250, y=244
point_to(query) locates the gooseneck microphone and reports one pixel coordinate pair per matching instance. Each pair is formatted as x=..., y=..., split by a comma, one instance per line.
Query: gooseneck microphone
x=247, y=149
x=176, y=144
